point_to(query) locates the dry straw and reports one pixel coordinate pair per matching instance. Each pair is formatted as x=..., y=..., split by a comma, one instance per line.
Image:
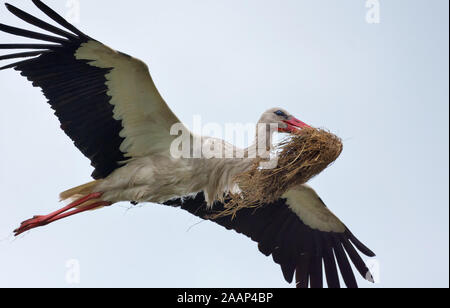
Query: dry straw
x=300, y=158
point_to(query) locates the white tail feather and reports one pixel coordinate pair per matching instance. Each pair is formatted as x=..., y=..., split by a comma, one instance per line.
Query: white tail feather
x=80, y=191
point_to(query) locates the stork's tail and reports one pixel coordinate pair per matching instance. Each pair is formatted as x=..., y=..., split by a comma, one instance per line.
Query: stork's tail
x=80, y=191
x=83, y=198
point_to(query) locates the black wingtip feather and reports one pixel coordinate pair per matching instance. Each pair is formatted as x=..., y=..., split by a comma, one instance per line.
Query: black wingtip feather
x=344, y=265
x=31, y=34
x=357, y=260
x=30, y=46
x=21, y=55
x=288, y=272
x=360, y=246
x=16, y=64
x=39, y=23
x=58, y=18
x=331, y=270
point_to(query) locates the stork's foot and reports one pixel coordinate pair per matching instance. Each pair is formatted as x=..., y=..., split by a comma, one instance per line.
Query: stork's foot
x=40, y=221
x=35, y=222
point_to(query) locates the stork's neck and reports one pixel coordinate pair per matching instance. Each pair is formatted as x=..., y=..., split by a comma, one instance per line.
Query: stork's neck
x=263, y=144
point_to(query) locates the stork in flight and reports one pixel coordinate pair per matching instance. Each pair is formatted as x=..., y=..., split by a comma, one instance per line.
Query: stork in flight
x=109, y=106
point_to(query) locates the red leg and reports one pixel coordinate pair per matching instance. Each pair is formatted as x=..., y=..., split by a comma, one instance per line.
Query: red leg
x=77, y=211
x=39, y=221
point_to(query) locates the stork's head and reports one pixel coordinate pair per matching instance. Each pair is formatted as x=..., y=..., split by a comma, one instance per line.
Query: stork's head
x=287, y=123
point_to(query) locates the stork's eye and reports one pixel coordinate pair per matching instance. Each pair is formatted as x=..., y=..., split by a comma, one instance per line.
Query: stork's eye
x=280, y=113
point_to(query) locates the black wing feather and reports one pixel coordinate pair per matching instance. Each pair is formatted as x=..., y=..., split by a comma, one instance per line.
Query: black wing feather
x=344, y=264
x=39, y=23
x=76, y=91
x=288, y=249
x=316, y=272
x=361, y=247
x=32, y=34
x=21, y=55
x=297, y=248
x=329, y=261
x=356, y=259
x=302, y=276
x=58, y=18
x=29, y=46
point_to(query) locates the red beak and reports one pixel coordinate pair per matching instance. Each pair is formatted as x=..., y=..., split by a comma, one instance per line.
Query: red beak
x=294, y=125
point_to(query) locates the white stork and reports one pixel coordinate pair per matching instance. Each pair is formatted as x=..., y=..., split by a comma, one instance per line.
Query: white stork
x=109, y=106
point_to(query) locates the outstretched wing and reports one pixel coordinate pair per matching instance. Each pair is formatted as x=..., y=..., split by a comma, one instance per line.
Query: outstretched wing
x=105, y=100
x=301, y=234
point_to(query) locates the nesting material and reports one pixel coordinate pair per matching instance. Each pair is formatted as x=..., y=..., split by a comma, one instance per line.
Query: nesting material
x=300, y=158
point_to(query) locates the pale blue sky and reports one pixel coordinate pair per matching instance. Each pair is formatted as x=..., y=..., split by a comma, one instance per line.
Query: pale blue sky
x=383, y=88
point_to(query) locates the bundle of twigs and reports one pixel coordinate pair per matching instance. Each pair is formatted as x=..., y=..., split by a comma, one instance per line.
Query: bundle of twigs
x=300, y=158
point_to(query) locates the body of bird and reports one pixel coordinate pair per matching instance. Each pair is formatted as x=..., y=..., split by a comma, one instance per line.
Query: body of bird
x=160, y=178
x=108, y=104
